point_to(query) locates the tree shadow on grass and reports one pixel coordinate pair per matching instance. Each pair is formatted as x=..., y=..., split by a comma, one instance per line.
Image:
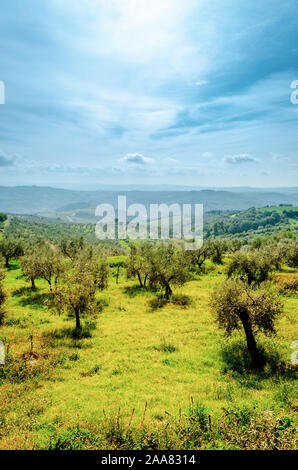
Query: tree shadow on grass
x=133, y=291
x=25, y=290
x=12, y=267
x=236, y=360
x=31, y=297
x=73, y=334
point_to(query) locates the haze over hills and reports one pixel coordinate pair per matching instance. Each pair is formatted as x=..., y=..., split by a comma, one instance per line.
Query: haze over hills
x=54, y=202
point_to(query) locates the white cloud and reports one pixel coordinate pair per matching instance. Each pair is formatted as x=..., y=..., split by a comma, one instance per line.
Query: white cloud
x=240, y=158
x=136, y=159
x=207, y=154
x=201, y=82
x=170, y=160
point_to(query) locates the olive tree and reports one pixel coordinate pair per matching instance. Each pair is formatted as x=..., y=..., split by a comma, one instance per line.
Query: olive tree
x=75, y=294
x=10, y=249
x=138, y=263
x=238, y=306
x=252, y=268
x=168, y=267
x=217, y=249
x=97, y=266
x=292, y=254
x=50, y=266
x=199, y=256
x=71, y=248
x=274, y=255
x=234, y=245
x=31, y=267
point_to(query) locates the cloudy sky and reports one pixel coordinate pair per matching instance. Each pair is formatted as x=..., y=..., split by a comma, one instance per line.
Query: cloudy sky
x=192, y=92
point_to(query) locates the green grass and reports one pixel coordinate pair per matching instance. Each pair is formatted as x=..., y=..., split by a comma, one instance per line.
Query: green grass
x=132, y=356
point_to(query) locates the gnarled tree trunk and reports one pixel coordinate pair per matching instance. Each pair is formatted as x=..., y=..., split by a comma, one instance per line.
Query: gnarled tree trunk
x=250, y=340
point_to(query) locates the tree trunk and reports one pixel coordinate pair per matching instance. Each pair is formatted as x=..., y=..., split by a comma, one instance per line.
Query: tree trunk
x=33, y=286
x=140, y=280
x=250, y=340
x=6, y=261
x=78, y=321
x=168, y=290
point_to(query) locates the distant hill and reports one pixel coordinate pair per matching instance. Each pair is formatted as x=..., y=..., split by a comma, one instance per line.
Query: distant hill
x=54, y=203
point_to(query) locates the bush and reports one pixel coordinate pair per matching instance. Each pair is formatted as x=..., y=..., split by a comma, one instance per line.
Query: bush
x=166, y=347
x=181, y=299
x=287, y=285
x=157, y=302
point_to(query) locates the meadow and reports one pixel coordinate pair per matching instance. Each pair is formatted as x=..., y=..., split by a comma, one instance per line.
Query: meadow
x=140, y=370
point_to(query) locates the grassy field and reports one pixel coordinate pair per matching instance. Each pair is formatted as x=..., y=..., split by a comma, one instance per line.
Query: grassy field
x=168, y=358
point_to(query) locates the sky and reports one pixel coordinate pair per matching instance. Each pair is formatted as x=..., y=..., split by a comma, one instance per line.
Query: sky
x=192, y=92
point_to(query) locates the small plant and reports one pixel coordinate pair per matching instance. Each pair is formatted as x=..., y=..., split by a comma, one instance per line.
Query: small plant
x=157, y=302
x=95, y=369
x=74, y=357
x=166, y=347
x=181, y=299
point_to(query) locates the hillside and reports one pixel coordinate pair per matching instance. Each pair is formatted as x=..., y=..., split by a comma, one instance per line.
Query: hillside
x=63, y=204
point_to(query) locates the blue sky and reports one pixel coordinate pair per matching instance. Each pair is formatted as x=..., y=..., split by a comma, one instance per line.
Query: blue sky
x=192, y=92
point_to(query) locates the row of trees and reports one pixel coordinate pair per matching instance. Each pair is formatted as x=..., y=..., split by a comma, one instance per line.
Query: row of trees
x=163, y=265
x=245, y=300
x=76, y=271
x=73, y=270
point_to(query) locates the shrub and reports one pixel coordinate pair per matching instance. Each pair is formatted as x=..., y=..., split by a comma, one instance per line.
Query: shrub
x=287, y=285
x=157, y=302
x=181, y=299
x=166, y=347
